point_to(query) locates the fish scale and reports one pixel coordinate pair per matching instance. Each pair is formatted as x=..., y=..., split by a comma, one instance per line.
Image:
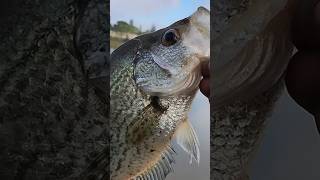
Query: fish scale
x=121, y=109
x=120, y=106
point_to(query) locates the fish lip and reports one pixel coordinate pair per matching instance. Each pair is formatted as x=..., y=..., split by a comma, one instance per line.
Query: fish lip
x=203, y=58
x=202, y=27
x=185, y=86
x=162, y=65
x=187, y=78
x=200, y=10
x=188, y=89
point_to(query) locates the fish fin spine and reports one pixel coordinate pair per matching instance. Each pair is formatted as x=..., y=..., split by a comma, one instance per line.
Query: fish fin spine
x=188, y=140
x=160, y=169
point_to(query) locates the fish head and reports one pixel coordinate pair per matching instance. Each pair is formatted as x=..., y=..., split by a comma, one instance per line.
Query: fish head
x=168, y=60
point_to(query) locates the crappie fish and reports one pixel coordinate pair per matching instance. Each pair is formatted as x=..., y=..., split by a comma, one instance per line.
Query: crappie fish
x=154, y=78
x=251, y=50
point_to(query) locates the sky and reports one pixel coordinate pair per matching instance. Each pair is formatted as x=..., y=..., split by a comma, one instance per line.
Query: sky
x=160, y=13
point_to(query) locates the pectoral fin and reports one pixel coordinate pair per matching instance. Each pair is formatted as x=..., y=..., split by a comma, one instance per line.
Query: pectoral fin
x=188, y=140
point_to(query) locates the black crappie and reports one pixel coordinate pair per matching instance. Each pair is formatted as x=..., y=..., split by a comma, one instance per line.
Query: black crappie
x=154, y=78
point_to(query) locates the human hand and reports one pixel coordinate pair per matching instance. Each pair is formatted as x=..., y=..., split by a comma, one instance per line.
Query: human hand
x=205, y=82
x=303, y=72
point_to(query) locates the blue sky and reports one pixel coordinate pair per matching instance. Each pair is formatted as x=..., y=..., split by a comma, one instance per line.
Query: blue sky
x=161, y=13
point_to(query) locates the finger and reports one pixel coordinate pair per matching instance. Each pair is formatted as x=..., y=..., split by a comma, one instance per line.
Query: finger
x=205, y=69
x=303, y=81
x=204, y=87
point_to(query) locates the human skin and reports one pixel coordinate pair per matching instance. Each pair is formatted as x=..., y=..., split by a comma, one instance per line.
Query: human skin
x=204, y=84
x=303, y=72
x=303, y=81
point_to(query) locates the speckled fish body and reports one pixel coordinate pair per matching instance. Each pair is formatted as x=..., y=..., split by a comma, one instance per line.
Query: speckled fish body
x=154, y=78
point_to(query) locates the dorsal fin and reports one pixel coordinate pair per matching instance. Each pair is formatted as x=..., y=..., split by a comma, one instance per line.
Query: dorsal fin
x=188, y=140
x=160, y=169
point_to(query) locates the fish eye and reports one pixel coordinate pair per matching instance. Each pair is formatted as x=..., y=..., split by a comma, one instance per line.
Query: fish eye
x=170, y=37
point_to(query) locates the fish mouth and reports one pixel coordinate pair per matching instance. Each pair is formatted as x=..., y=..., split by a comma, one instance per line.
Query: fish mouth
x=184, y=82
x=201, y=20
x=197, y=35
x=182, y=79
